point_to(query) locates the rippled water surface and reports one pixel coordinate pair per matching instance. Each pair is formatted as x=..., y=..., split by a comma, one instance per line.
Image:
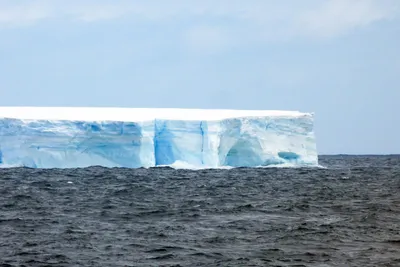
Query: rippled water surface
x=347, y=214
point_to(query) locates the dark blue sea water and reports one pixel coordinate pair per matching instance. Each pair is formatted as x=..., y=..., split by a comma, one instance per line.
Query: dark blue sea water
x=347, y=214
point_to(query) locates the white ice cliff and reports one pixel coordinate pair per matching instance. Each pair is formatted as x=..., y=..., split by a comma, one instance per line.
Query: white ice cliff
x=41, y=137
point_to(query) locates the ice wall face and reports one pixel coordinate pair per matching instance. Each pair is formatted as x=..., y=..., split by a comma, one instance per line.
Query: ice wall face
x=247, y=141
x=267, y=141
x=63, y=144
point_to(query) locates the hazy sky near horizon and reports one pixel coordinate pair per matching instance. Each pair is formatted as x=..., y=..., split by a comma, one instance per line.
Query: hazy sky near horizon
x=337, y=58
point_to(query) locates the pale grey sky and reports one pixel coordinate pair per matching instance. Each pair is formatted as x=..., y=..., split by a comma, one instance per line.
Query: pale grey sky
x=337, y=58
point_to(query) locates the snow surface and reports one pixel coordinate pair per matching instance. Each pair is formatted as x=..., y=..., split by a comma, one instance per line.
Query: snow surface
x=135, y=114
x=123, y=137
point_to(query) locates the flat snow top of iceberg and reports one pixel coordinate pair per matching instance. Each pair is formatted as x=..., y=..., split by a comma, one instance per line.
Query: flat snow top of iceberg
x=135, y=114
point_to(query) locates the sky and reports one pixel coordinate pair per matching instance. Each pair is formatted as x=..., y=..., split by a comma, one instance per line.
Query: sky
x=337, y=58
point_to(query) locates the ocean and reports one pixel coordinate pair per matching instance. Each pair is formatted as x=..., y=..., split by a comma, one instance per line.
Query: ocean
x=345, y=214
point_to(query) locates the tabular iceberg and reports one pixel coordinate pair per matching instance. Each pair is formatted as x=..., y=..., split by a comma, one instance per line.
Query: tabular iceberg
x=40, y=137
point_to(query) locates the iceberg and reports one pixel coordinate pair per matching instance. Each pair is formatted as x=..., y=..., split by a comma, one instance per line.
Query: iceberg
x=60, y=137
